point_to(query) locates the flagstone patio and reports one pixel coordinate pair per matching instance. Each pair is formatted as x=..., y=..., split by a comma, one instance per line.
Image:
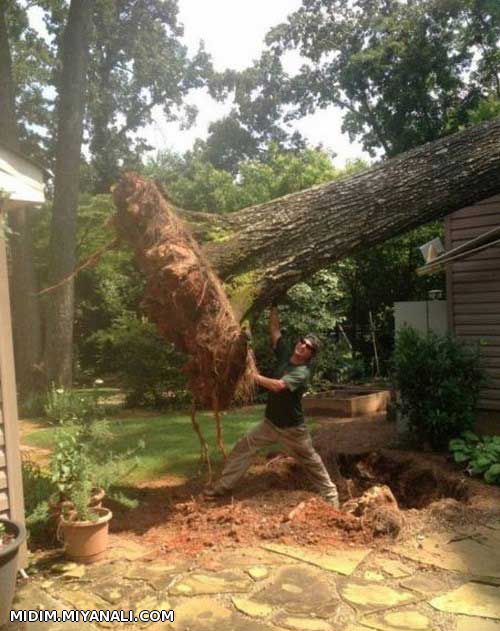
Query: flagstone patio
x=449, y=581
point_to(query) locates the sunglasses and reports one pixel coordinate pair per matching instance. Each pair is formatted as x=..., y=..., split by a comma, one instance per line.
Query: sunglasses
x=307, y=343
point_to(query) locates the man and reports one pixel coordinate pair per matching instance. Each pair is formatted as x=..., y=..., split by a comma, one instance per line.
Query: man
x=284, y=418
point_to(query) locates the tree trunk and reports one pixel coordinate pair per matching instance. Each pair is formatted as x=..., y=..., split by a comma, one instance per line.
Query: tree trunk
x=60, y=303
x=260, y=252
x=25, y=306
x=8, y=126
x=26, y=316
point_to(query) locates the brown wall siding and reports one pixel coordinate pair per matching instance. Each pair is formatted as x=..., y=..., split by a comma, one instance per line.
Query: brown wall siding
x=473, y=286
x=4, y=501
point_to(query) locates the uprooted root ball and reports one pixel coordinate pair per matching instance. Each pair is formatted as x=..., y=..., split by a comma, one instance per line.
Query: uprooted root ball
x=183, y=296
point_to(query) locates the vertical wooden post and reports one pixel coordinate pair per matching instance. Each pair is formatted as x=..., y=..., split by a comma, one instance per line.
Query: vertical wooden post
x=9, y=402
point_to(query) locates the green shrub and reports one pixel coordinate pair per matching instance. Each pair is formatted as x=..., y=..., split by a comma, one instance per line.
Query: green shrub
x=439, y=381
x=482, y=453
x=72, y=406
x=149, y=367
x=38, y=488
x=32, y=405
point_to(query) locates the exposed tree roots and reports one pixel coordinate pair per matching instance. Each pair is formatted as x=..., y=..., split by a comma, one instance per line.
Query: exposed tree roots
x=185, y=299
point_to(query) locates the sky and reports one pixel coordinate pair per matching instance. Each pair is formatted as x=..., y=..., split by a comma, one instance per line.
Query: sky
x=233, y=32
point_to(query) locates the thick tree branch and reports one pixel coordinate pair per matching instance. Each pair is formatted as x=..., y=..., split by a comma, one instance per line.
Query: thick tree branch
x=263, y=250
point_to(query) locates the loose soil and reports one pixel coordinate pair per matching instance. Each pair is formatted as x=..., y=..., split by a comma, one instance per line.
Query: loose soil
x=275, y=503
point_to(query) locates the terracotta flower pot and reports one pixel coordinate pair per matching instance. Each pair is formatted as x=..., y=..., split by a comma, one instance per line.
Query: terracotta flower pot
x=8, y=567
x=86, y=541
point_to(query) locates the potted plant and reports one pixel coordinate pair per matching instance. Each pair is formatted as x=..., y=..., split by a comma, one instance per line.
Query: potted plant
x=12, y=535
x=84, y=528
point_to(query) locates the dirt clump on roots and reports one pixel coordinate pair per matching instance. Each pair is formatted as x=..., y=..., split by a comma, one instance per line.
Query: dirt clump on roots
x=183, y=296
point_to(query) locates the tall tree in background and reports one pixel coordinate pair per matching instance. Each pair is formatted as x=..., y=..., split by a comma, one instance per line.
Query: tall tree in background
x=70, y=113
x=404, y=73
x=137, y=63
x=25, y=306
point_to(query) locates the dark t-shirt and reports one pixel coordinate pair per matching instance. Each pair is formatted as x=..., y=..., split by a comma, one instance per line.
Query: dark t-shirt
x=284, y=408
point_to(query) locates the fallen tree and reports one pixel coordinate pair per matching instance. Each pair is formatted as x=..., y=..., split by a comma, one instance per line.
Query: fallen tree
x=260, y=252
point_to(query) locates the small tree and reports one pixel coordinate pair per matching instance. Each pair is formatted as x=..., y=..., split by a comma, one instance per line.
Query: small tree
x=439, y=380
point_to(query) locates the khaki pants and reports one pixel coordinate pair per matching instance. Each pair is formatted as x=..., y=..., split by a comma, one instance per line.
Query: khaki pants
x=296, y=439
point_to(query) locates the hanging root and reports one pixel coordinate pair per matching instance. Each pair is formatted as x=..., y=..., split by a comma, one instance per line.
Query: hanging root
x=92, y=260
x=205, y=456
x=218, y=426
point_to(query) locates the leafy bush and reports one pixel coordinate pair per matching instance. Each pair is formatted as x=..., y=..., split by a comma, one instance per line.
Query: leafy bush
x=64, y=406
x=38, y=488
x=150, y=369
x=482, y=453
x=439, y=380
x=32, y=405
x=79, y=464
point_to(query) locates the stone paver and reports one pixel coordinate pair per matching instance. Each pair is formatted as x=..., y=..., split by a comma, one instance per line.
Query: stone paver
x=252, y=608
x=304, y=624
x=370, y=575
x=392, y=568
x=258, y=572
x=425, y=584
x=282, y=588
x=340, y=561
x=158, y=575
x=472, y=599
x=409, y=619
x=476, y=553
x=120, y=550
x=200, y=583
x=301, y=589
x=467, y=623
x=372, y=596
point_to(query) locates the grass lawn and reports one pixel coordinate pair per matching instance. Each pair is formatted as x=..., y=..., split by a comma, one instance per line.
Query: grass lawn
x=171, y=444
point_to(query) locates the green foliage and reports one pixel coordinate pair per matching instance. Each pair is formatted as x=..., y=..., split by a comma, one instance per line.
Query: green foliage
x=38, y=488
x=194, y=183
x=138, y=62
x=80, y=464
x=80, y=496
x=64, y=406
x=482, y=453
x=439, y=381
x=486, y=110
x=374, y=279
x=32, y=405
x=405, y=73
x=5, y=229
x=308, y=307
x=148, y=367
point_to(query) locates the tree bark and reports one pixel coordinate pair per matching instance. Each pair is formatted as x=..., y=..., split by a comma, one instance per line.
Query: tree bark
x=8, y=126
x=71, y=106
x=260, y=252
x=25, y=306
